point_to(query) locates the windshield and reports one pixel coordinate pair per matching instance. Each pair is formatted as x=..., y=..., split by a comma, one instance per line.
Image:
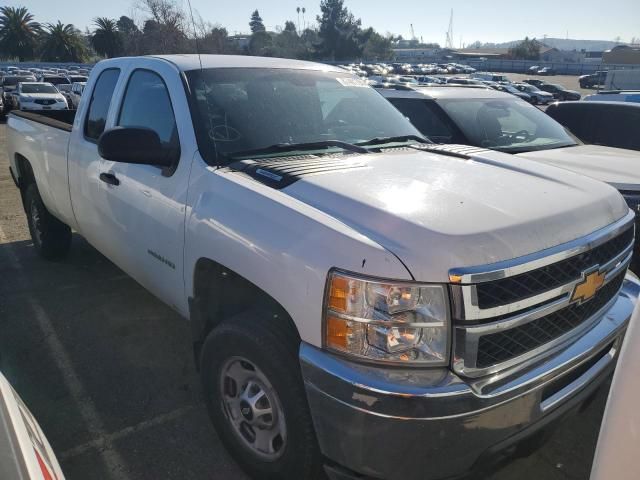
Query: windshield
x=508, y=125
x=242, y=109
x=38, y=88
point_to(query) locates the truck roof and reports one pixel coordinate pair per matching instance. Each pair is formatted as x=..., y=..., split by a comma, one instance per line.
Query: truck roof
x=192, y=62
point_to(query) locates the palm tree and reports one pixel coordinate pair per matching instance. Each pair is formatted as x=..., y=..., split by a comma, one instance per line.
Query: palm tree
x=18, y=33
x=62, y=43
x=106, y=38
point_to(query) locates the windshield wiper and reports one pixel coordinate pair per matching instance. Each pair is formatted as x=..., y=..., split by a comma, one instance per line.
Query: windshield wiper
x=294, y=147
x=398, y=139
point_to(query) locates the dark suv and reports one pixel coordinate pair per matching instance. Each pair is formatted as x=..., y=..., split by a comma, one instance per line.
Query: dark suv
x=613, y=124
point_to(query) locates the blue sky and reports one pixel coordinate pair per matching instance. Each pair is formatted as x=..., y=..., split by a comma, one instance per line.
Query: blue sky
x=477, y=20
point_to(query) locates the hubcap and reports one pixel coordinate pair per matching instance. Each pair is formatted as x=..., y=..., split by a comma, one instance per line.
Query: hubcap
x=253, y=408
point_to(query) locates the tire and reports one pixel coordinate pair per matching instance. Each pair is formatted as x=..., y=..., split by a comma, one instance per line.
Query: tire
x=272, y=353
x=51, y=238
x=534, y=100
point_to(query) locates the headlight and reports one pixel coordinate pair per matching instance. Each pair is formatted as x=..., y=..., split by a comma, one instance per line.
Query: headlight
x=391, y=322
x=25, y=99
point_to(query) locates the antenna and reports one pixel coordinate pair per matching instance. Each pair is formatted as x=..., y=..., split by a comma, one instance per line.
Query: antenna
x=195, y=33
x=449, y=42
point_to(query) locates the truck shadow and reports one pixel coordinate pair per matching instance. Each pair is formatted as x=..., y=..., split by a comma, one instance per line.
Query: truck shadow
x=102, y=364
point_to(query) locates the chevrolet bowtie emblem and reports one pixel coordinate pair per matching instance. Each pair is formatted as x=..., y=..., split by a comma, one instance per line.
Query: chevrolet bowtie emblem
x=588, y=287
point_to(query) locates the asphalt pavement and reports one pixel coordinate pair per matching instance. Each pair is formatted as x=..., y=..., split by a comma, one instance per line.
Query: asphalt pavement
x=107, y=370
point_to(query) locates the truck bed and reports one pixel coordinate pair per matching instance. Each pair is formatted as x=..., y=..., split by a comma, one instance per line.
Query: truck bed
x=62, y=119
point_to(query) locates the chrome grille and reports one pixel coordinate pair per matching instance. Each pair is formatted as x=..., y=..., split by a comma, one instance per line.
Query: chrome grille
x=502, y=346
x=508, y=313
x=509, y=290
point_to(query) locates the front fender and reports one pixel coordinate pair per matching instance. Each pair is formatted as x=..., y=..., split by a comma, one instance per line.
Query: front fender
x=278, y=243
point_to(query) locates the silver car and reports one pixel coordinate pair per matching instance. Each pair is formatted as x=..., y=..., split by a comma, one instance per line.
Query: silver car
x=538, y=97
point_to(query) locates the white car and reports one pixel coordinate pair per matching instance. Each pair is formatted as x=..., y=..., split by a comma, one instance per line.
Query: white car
x=616, y=455
x=25, y=453
x=39, y=96
x=75, y=93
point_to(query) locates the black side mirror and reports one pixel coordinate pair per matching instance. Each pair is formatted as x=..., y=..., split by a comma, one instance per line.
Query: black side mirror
x=135, y=145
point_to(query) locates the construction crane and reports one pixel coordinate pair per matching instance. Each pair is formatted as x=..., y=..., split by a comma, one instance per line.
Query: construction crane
x=449, y=41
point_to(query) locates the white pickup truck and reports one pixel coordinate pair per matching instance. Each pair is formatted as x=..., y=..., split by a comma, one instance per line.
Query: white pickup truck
x=362, y=301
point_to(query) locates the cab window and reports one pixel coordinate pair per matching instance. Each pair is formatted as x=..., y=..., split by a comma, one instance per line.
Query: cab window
x=147, y=104
x=99, y=103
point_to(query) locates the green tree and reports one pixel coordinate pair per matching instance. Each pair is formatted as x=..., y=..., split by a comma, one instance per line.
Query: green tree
x=62, y=43
x=106, y=39
x=18, y=33
x=215, y=41
x=290, y=27
x=261, y=44
x=130, y=35
x=375, y=46
x=339, y=31
x=526, y=50
x=256, y=23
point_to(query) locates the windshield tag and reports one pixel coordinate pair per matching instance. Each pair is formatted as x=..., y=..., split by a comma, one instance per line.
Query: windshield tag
x=268, y=174
x=351, y=82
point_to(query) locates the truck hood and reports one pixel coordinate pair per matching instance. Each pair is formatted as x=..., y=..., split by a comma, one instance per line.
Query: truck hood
x=618, y=167
x=437, y=212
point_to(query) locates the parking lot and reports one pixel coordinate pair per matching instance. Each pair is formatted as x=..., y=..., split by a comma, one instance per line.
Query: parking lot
x=108, y=371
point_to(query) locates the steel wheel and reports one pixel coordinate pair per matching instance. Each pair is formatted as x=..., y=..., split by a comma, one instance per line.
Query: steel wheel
x=253, y=408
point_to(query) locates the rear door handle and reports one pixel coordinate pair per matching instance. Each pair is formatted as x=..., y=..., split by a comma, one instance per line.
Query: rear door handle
x=109, y=178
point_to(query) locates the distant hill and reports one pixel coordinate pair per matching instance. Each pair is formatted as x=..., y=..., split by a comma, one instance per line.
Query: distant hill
x=566, y=44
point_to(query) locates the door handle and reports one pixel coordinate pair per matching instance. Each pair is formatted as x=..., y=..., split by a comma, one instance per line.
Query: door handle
x=109, y=178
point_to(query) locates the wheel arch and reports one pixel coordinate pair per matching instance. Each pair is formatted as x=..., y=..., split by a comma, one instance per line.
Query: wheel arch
x=219, y=293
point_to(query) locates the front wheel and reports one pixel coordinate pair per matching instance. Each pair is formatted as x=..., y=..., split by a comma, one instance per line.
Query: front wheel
x=51, y=238
x=256, y=398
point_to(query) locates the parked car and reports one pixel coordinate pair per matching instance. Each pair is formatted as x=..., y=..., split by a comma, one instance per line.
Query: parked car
x=492, y=77
x=65, y=89
x=495, y=120
x=514, y=91
x=55, y=79
x=618, y=445
x=284, y=208
x=39, y=96
x=9, y=84
x=24, y=449
x=593, y=80
x=76, y=93
x=614, y=124
x=77, y=78
x=534, y=81
x=533, y=69
x=631, y=96
x=546, y=71
x=538, y=97
x=559, y=92
x=464, y=81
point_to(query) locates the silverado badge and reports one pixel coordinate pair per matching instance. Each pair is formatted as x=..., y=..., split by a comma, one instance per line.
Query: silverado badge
x=587, y=288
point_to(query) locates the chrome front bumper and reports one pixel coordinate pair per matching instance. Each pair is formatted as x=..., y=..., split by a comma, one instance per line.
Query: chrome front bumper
x=427, y=424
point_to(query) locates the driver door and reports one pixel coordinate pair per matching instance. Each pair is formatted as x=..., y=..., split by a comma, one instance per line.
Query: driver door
x=145, y=204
